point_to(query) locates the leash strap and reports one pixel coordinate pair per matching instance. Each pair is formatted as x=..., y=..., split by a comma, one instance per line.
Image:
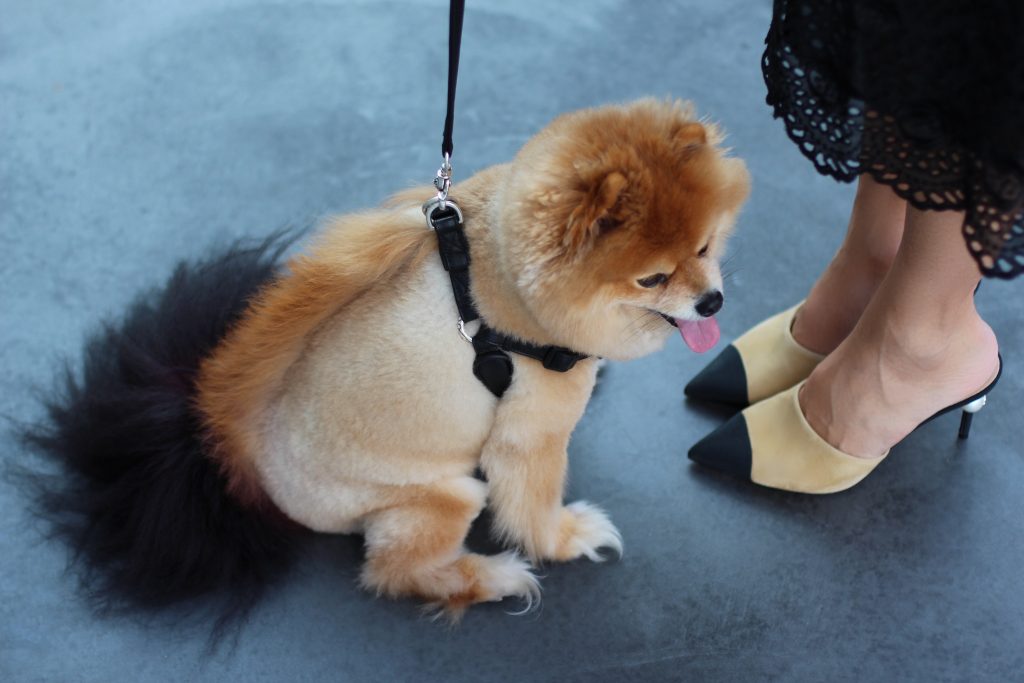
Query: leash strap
x=443, y=178
x=456, y=9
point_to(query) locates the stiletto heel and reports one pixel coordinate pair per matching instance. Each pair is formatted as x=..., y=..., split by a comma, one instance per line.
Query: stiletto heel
x=968, y=415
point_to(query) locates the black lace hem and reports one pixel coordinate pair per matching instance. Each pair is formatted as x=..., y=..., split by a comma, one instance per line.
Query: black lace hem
x=845, y=136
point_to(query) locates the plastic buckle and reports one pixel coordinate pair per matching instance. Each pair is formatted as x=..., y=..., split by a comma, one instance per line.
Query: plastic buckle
x=494, y=370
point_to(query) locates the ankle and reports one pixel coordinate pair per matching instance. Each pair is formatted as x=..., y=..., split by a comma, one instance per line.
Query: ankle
x=865, y=265
x=836, y=302
x=919, y=344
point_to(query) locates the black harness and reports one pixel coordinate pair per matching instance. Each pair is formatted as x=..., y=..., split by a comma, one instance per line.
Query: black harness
x=493, y=365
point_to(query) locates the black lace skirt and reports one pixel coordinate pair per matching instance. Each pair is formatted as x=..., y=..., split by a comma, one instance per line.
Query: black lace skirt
x=925, y=95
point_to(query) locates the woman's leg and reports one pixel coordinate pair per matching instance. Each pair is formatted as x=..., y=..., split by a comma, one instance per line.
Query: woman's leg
x=919, y=346
x=843, y=291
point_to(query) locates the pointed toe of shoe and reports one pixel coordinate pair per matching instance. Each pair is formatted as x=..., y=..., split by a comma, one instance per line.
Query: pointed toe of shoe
x=726, y=449
x=723, y=380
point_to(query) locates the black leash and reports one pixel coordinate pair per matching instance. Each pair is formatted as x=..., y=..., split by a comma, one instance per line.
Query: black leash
x=455, y=11
x=492, y=365
x=443, y=179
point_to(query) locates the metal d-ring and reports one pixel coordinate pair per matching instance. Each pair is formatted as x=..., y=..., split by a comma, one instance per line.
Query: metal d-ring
x=462, y=331
x=437, y=203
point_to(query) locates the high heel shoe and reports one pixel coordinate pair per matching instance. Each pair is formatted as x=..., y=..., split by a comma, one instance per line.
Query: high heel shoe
x=772, y=444
x=760, y=363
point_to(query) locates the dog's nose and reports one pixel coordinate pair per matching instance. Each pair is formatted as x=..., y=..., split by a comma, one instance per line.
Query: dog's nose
x=710, y=303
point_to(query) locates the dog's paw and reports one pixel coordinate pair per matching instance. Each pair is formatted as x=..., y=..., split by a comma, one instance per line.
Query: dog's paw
x=508, y=575
x=489, y=578
x=584, y=529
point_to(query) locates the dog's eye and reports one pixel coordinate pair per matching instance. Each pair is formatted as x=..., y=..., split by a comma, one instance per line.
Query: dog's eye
x=704, y=250
x=653, y=280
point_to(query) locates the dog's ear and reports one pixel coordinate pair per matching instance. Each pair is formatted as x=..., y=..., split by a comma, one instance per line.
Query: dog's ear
x=689, y=135
x=595, y=214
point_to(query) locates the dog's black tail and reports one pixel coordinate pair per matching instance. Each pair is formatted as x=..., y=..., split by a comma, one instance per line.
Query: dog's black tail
x=137, y=497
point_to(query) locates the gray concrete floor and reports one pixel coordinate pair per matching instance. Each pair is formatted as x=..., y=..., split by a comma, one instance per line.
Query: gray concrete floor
x=135, y=134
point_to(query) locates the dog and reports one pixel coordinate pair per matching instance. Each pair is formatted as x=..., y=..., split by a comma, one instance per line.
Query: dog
x=251, y=399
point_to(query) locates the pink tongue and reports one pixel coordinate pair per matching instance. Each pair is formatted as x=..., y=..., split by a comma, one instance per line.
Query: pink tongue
x=699, y=335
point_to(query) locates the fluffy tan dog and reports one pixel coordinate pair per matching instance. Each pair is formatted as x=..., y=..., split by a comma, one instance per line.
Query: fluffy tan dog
x=343, y=395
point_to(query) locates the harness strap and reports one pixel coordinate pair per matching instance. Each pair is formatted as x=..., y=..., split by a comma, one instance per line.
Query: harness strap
x=555, y=358
x=454, y=250
x=492, y=366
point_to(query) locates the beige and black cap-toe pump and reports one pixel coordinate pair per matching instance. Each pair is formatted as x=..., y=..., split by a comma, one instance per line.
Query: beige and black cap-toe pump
x=772, y=444
x=760, y=363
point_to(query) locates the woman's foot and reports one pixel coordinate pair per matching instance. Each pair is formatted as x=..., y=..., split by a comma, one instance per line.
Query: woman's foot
x=890, y=375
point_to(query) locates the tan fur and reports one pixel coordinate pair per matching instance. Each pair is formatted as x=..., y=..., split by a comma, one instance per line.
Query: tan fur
x=238, y=379
x=346, y=396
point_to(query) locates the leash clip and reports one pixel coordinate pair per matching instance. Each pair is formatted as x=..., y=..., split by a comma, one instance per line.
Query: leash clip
x=443, y=181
